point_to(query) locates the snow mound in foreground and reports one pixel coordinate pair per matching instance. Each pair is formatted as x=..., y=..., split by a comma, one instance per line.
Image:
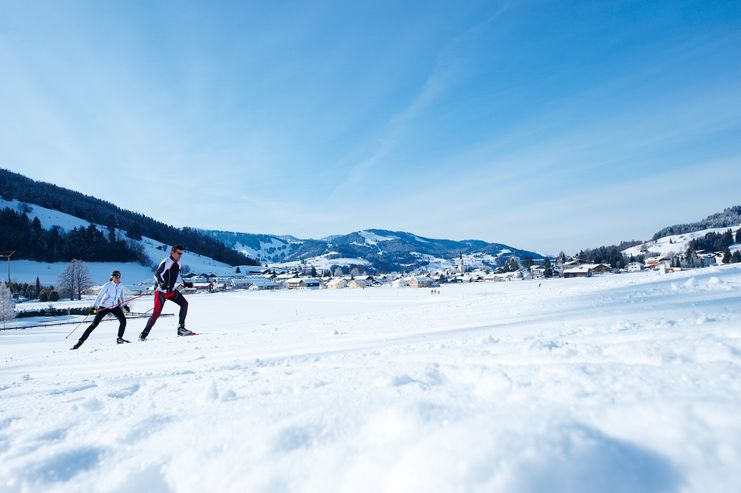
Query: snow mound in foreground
x=615, y=384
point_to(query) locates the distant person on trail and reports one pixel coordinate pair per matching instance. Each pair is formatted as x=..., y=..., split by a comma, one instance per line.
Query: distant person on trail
x=167, y=276
x=109, y=300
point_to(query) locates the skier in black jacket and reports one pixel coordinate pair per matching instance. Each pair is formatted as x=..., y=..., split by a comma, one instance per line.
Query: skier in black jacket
x=167, y=276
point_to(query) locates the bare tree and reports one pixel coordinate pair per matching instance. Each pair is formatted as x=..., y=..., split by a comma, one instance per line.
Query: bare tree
x=7, y=305
x=74, y=279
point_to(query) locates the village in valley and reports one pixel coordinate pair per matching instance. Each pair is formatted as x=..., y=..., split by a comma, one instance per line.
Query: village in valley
x=665, y=255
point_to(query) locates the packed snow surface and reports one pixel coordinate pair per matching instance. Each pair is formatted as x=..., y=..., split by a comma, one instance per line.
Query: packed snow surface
x=628, y=383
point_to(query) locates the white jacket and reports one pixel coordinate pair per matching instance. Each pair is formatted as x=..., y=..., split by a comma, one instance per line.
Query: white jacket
x=110, y=295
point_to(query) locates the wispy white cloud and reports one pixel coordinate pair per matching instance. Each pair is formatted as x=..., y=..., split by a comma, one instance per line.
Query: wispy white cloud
x=446, y=68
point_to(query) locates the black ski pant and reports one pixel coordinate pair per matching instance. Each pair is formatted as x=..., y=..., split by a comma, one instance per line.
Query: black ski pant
x=102, y=312
x=159, y=301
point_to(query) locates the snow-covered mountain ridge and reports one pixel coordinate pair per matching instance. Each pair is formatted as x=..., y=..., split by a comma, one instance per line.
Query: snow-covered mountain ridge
x=379, y=249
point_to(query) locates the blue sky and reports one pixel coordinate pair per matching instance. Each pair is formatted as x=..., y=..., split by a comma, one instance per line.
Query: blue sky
x=545, y=125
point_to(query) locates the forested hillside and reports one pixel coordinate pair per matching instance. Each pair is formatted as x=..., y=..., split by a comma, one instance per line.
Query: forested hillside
x=21, y=188
x=30, y=241
x=729, y=217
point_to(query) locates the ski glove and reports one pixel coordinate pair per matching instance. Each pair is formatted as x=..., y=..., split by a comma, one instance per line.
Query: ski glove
x=93, y=311
x=126, y=307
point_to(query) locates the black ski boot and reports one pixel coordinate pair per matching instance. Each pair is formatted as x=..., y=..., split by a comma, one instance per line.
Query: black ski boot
x=121, y=340
x=143, y=336
x=76, y=346
x=182, y=331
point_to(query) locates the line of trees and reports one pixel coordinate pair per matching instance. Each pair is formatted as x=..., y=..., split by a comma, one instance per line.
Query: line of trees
x=729, y=217
x=30, y=241
x=611, y=255
x=34, y=291
x=729, y=258
x=717, y=242
x=713, y=242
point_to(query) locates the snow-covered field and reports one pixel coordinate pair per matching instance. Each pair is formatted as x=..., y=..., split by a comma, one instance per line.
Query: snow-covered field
x=627, y=383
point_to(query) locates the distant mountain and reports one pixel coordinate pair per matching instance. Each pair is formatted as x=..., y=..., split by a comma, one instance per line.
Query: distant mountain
x=376, y=249
x=729, y=217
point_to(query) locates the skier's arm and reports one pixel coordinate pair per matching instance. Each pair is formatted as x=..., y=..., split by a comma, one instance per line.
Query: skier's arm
x=103, y=290
x=158, y=275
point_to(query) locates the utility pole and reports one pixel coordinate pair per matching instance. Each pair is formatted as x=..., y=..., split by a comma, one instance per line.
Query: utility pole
x=7, y=255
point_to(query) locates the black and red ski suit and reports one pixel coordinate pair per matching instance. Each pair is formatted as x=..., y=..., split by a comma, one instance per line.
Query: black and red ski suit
x=167, y=276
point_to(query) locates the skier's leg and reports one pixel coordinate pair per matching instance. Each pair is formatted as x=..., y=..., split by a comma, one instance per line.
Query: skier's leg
x=180, y=300
x=98, y=317
x=119, y=314
x=159, y=300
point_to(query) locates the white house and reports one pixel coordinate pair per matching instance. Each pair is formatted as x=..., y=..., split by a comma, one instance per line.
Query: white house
x=421, y=282
x=402, y=282
x=254, y=283
x=303, y=283
x=337, y=283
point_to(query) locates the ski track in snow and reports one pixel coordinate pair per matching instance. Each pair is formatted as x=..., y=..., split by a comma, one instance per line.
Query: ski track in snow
x=613, y=384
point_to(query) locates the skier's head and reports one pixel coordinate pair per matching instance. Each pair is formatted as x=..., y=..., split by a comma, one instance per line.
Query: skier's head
x=116, y=274
x=176, y=251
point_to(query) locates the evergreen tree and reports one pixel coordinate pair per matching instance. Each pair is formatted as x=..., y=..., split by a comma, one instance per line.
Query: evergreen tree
x=134, y=232
x=38, y=288
x=548, y=272
x=738, y=235
x=727, y=258
x=736, y=256
x=727, y=238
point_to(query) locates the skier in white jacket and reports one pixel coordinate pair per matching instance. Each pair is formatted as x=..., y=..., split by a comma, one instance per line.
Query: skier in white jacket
x=109, y=300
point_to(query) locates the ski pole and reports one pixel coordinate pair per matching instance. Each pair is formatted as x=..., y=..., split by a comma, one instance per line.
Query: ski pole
x=126, y=301
x=78, y=325
x=111, y=308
